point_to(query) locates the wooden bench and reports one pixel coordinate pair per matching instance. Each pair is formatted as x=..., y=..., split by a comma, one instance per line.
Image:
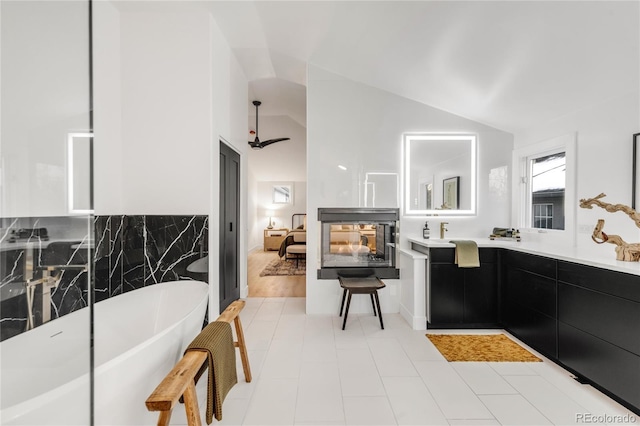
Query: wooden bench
x=180, y=382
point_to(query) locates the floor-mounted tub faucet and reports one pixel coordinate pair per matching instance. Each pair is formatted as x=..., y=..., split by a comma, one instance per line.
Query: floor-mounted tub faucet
x=443, y=229
x=51, y=277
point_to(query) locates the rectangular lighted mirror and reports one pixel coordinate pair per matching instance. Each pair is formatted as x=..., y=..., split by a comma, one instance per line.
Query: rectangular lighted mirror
x=440, y=174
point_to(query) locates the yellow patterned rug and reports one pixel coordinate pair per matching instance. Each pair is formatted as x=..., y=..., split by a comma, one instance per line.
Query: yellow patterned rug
x=480, y=347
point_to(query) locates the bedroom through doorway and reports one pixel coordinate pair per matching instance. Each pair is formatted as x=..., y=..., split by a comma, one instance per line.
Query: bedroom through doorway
x=279, y=269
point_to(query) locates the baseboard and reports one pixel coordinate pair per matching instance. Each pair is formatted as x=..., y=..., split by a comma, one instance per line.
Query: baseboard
x=416, y=323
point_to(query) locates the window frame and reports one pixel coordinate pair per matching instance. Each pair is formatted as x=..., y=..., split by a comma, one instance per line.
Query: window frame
x=522, y=209
x=529, y=216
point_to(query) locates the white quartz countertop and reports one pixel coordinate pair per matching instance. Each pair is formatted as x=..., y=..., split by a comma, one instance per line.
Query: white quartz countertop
x=569, y=254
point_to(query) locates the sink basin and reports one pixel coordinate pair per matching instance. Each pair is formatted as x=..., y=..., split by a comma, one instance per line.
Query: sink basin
x=199, y=266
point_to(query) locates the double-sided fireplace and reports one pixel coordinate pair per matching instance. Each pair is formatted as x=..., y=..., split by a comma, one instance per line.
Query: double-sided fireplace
x=358, y=242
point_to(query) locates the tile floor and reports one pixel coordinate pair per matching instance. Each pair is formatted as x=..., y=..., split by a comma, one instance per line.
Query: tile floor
x=307, y=371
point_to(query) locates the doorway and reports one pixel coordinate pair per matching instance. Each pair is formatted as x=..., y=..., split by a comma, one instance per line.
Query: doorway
x=229, y=221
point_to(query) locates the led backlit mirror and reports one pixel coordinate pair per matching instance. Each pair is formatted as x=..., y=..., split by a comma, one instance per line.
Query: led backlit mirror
x=440, y=174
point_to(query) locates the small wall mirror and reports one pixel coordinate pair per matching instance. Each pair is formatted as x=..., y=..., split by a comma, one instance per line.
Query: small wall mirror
x=282, y=194
x=440, y=174
x=381, y=189
x=79, y=173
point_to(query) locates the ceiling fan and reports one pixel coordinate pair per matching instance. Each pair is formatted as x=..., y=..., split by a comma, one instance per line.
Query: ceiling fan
x=256, y=144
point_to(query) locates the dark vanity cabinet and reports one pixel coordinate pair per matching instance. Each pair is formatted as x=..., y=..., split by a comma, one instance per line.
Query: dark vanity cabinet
x=530, y=300
x=463, y=297
x=598, y=327
x=585, y=318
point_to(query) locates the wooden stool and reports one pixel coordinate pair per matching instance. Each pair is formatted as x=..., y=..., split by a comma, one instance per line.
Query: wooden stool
x=368, y=285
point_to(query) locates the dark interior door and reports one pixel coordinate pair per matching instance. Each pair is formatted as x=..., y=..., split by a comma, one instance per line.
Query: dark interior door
x=229, y=220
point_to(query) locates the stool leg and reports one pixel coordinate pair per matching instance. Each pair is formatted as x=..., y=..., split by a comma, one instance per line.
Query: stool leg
x=372, y=304
x=379, y=311
x=346, y=312
x=344, y=296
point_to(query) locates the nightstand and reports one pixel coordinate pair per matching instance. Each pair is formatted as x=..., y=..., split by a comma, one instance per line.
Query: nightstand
x=273, y=238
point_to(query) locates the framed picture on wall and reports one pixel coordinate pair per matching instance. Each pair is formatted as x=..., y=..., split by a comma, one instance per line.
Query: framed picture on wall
x=451, y=193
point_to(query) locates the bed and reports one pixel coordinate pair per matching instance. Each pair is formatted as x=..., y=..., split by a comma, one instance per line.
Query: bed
x=298, y=225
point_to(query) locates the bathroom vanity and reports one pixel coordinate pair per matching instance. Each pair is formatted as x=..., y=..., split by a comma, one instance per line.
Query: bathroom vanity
x=579, y=311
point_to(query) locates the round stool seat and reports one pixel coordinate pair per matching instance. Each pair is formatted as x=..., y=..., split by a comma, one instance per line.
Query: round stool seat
x=366, y=285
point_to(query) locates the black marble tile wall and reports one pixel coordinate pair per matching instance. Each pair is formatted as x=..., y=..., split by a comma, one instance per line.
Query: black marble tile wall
x=129, y=252
x=136, y=251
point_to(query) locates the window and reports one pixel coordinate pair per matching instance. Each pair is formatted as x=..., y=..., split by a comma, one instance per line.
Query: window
x=547, y=190
x=282, y=194
x=544, y=187
x=543, y=216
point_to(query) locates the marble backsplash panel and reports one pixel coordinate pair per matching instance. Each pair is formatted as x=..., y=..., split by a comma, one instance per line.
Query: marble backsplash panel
x=128, y=252
x=136, y=251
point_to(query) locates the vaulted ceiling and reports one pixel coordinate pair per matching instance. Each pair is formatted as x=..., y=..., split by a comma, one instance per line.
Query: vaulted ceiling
x=508, y=64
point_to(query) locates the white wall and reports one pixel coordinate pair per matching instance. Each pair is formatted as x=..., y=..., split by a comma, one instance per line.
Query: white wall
x=166, y=112
x=181, y=92
x=107, y=119
x=230, y=91
x=45, y=96
x=361, y=127
x=604, y=161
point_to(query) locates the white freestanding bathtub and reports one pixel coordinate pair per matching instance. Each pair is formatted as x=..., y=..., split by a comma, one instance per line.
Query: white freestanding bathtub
x=138, y=337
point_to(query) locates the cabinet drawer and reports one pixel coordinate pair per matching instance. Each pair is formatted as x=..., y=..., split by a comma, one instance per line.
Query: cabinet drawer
x=531, y=263
x=530, y=290
x=611, y=282
x=609, y=318
x=447, y=255
x=605, y=364
x=533, y=328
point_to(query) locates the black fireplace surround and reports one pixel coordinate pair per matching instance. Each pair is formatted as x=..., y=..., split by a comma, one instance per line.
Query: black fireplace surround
x=358, y=242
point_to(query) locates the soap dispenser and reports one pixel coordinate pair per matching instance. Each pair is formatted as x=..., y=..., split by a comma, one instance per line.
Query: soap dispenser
x=426, y=231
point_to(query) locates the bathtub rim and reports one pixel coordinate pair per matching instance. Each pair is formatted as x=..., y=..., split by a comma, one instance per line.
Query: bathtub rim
x=14, y=411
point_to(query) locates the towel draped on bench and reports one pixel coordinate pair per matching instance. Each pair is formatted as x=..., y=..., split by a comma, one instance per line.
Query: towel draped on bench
x=217, y=340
